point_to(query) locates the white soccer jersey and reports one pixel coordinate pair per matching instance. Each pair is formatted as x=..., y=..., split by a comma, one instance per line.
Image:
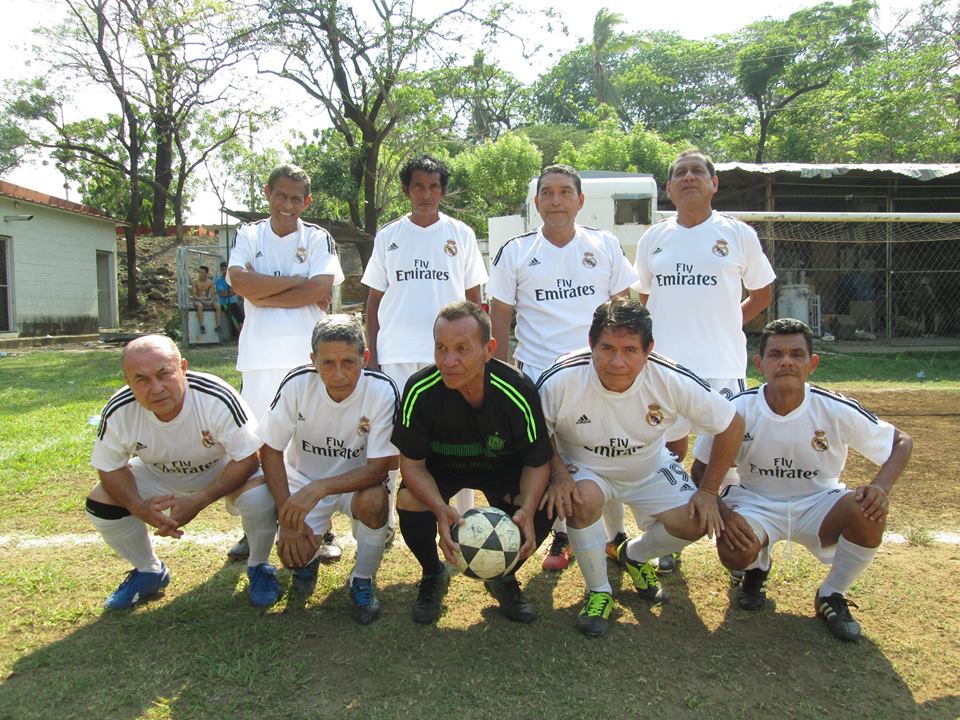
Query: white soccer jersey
x=182, y=453
x=620, y=436
x=693, y=277
x=789, y=456
x=419, y=270
x=280, y=337
x=324, y=438
x=555, y=290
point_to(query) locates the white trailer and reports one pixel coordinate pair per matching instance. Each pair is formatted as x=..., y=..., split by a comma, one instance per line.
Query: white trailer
x=623, y=203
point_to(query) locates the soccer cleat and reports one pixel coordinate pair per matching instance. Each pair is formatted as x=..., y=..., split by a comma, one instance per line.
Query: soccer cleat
x=560, y=552
x=137, y=587
x=264, y=587
x=330, y=551
x=305, y=579
x=592, y=620
x=240, y=551
x=433, y=588
x=668, y=563
x=835, y=611
x=644, y=577
x=619, y=539
x=753, y=589
x=366, y=607
x=736, y=577
x=512, y=602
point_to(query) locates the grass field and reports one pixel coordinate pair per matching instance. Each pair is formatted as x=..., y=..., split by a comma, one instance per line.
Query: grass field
x=202, y=652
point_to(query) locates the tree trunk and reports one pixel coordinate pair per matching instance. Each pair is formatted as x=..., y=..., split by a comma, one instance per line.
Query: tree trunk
x=762, y=141
x=163, y=173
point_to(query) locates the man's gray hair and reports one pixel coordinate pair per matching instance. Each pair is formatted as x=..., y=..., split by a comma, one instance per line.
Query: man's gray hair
x=339, y=328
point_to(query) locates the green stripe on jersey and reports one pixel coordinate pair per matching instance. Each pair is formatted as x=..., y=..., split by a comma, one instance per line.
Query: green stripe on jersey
x=520, y=401
x=425, y=384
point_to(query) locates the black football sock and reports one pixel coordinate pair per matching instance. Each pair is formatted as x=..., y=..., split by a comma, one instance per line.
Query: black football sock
x=419, y=530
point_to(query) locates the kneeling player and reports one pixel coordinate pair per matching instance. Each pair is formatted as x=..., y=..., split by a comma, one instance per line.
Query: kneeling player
x=169, y=444
x=609, y=409
x=793, y=451
x=470, y=421
x=334, y=418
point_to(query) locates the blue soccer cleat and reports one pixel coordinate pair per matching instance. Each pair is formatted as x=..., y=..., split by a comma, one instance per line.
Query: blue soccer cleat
x=138, y=587
x=264, y=586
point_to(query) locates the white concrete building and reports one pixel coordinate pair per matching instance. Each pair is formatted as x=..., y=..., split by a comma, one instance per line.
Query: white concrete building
x=58, y=265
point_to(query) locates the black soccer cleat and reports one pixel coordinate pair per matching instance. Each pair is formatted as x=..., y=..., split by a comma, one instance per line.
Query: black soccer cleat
x=594, y=616
x=512, y=602
x=753, y=589
x=240, y=551
x=433, y=588
x=835, y=611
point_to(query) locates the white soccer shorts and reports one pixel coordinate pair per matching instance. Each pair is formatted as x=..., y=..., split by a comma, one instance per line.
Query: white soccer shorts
x=150, y=486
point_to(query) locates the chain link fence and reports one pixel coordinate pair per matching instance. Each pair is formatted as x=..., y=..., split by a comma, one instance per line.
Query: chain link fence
x=878, y=278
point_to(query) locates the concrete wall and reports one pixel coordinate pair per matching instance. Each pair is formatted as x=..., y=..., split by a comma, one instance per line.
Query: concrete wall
x=53, y=260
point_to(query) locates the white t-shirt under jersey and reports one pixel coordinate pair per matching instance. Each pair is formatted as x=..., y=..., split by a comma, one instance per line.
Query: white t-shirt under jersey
x=419, y=270
x=183, y=453
x=694, y=277
x=555, y=290
x=324, y=438
x=790, y=456
x=280, y=337
x=621, y=436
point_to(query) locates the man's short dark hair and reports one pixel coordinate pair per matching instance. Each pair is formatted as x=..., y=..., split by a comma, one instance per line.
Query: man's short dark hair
x=204, y=268
x=339, y=328
x=622, y=313
x=428, y=164
x=223, y=264
x=692, y=152
x=785, y=326
x=297, y=174
x=465, y=308
x=560, y=170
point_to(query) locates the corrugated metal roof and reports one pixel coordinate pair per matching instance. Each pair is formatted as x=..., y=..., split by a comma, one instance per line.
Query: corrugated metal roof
x=916, y=171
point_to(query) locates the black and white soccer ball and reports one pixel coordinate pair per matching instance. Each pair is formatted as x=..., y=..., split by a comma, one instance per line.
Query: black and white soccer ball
x=489, y=543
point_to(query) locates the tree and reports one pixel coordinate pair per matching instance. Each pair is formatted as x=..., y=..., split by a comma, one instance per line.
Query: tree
x=606, y=42
x=353, y=64
x=779, y=61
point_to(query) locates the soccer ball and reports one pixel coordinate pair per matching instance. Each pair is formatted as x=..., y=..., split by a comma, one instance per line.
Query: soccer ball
x=489, y=543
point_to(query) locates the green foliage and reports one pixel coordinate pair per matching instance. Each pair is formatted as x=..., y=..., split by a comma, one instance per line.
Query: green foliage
x=609, y=147
x=491, y=179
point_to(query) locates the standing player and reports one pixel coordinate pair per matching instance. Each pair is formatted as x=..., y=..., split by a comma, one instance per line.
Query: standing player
x=554, y=278
x=285, y=270
x=608, y=410
x=420, y=262
x=693, y=268
x=334, y=418
x=795, y=446
x=170, y=443
x=470, y=421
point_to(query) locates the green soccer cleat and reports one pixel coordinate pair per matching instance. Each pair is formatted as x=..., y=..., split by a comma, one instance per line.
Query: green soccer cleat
x=644, y=577
x=593, y=618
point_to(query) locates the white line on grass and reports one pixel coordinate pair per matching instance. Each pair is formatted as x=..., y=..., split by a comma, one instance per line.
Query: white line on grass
x=28, y=542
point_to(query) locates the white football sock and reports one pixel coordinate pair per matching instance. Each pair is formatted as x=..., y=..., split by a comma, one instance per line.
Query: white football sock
x=130, y=540
x=656, y=541
x=613, y=518
x=258, y=513
x=393, y=477
x=589, y=547
x=849, y=562
x=463, y=500
x=370, y=544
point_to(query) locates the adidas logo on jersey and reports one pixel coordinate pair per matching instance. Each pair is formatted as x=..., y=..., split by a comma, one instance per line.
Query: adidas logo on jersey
x=658, y=250
x=259, y=254
x=393, y=246
x=583, y=420
x=301, y=417
x=140, y=446
x=747, y=437
x=533, y=262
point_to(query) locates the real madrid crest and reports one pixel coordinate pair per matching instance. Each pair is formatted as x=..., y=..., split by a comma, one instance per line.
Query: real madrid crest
x=654, y=414
x=450, y=248
x=363, y=427
x=720, y=248
x=589, y=260
x=301, y=254
x=207, y=439
x=820, y=442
